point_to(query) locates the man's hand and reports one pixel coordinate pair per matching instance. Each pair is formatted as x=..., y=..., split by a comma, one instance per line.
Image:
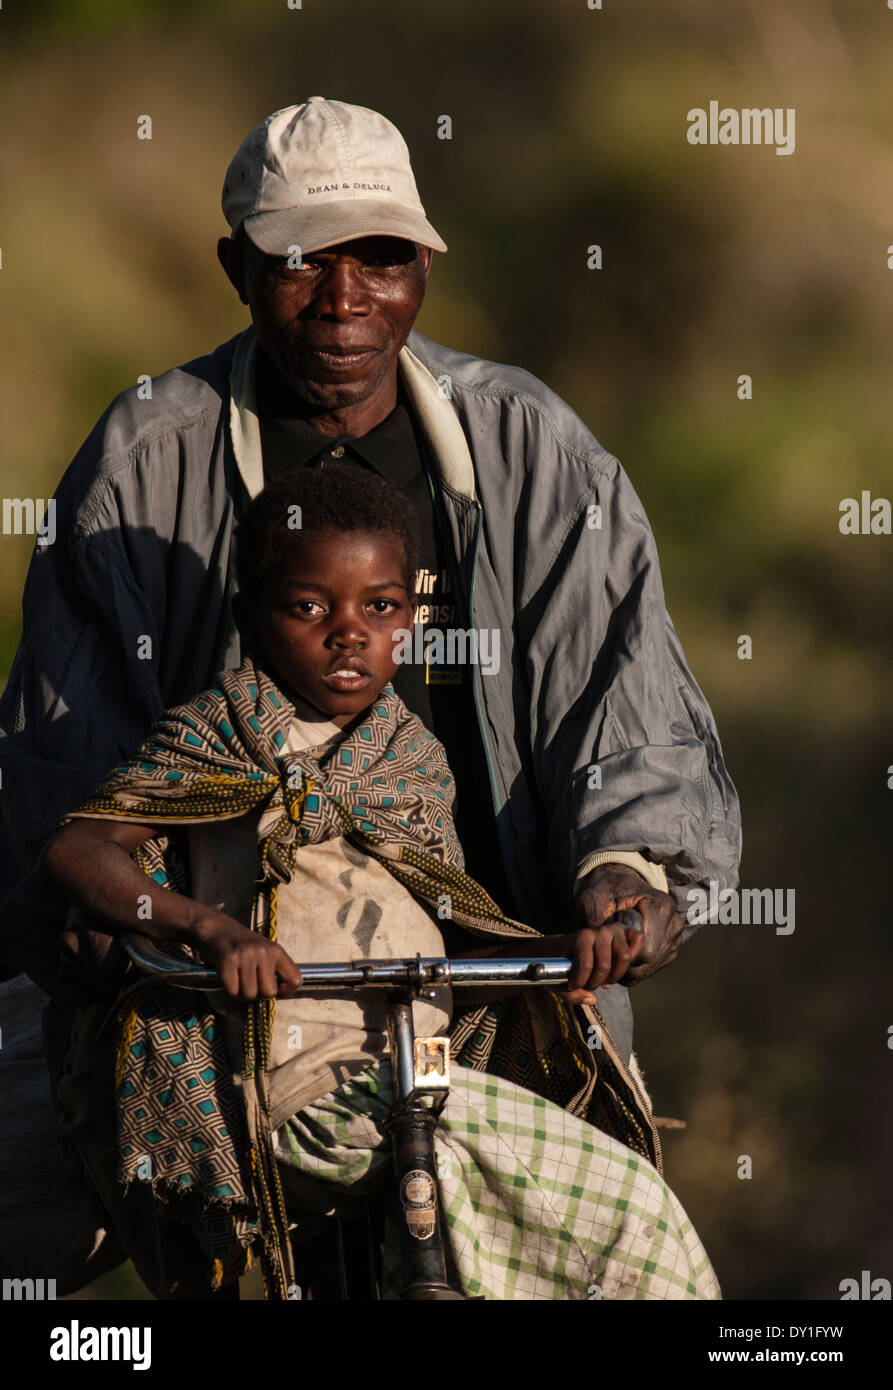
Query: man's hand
x=612, y=951
x=248, y=964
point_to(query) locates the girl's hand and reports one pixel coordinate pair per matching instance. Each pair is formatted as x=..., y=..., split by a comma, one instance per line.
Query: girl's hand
x=249, y=965
x=600, y=956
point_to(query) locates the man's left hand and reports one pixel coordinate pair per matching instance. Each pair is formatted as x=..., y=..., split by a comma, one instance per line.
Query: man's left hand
x=611, y=888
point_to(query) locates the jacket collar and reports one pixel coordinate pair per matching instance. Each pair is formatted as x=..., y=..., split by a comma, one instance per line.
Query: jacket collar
x=439, y=422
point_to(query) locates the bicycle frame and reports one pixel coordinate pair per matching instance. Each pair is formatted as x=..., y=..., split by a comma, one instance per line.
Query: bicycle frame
x=421, y=1068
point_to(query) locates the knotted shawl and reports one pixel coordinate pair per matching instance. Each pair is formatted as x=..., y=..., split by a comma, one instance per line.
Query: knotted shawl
x=198, y=1132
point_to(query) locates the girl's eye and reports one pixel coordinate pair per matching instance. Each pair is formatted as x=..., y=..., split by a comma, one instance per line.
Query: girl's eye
x=388, y=604
x=304, y=606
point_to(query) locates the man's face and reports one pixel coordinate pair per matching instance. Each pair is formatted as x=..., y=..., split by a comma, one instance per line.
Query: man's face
x=333, y=326
x=334, y=607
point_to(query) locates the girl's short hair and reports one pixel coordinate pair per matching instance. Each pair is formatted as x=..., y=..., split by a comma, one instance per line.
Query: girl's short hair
x=333, y=500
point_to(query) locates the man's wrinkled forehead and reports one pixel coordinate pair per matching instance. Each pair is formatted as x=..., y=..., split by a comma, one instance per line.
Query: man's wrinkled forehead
x=364, y=247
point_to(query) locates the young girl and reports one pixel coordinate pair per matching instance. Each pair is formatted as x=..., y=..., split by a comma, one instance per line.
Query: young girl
x=296, y=812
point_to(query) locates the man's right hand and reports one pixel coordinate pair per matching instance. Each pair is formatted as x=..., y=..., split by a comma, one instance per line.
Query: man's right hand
x=249, y=965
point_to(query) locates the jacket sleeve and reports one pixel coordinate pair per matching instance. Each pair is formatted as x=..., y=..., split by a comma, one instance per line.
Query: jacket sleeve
x=79, y=697
x=626, y=752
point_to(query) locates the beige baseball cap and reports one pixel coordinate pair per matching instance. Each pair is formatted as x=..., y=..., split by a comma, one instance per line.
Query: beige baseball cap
x=320, y=173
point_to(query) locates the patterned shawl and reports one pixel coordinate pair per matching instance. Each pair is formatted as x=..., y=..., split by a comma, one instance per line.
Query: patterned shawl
x=185, y=1122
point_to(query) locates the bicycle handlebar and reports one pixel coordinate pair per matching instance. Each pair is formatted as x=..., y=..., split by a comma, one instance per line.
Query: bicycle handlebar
x=419, y=973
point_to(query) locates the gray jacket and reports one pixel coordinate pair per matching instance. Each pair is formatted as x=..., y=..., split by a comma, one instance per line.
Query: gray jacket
x=599, y=741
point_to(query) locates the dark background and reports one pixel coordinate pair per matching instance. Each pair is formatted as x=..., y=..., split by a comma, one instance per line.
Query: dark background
x=569, y=129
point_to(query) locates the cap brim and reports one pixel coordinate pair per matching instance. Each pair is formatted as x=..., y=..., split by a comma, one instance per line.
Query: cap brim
x=313, y=229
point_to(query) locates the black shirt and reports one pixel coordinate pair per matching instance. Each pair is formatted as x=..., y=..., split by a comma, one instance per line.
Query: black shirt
x=442, y=695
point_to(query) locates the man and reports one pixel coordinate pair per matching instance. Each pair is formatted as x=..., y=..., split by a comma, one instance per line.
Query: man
x=579, y=720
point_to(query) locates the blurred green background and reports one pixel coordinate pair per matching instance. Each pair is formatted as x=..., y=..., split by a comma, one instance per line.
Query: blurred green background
x=568, y=130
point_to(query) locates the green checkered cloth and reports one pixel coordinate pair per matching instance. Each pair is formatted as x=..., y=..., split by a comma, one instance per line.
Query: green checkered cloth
x=538, y=1204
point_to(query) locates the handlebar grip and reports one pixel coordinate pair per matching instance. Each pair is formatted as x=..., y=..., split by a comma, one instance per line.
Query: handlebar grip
x=630, y=918
x=153, y=962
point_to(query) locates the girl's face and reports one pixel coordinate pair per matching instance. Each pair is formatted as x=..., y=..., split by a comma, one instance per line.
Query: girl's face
x=326, y=622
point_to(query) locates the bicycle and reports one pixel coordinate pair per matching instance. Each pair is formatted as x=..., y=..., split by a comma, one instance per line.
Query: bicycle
x=421, y=1068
